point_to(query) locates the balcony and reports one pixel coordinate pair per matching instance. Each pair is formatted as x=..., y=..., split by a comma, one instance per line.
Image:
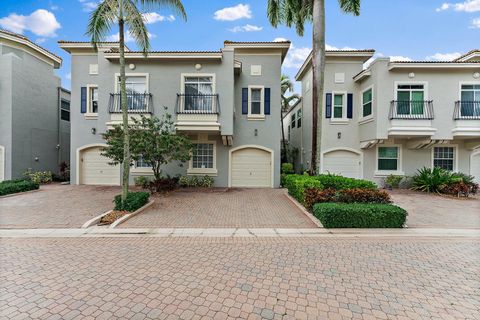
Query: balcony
x=467, y=119
x=411, y=119
x=136, y=103
x=198, y=112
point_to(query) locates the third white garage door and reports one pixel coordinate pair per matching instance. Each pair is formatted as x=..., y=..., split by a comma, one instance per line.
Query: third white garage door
x=343, y=162
x=475, y=166
x=94, y=168
x=251, y=167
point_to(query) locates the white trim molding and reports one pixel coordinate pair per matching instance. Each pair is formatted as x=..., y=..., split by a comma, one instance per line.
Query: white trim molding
x=343, y=119
x=246, y=146
x=360, y=153
x=77, y=158
x=399, y=171
x=133, y=74
x=3, y=161
x=90, y=115
x=260, y=116
x=204, y=171
x=472, y=155
x=371, y=116
x=455, y=154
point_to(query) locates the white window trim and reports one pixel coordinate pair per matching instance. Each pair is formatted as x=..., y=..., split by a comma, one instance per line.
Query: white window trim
x=361, y=118
x=204, y=171
x=399, y=171
x=343, y=119
x=186, y=75
x=146, y=75
x=462, y=83
x=455, y=155
x=90, y=115
x=142, y=170
x=425, y=89
x=299, y=110
x=260, y=116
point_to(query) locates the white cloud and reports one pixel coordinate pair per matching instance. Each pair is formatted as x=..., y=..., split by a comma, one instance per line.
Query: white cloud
x=444, y=56
x=296, y=57
x=475, y=24
x=280, y=39
x=68, y=76
x=466, y=6
x=329, y=47
x=40, y=22
x=239, y=11
x=399, y=58
x=40, y=40
x=128, y=37
x=88, y=5
x=246, y=28
x=153, y=17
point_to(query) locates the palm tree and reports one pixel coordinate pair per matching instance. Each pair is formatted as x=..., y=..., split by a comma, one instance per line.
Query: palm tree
x=125, y=13
x=286, y=85
x=297, y=13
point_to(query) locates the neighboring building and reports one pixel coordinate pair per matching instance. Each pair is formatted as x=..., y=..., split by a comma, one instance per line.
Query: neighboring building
x=392, y=117
x=34, y=109
x=227, y=101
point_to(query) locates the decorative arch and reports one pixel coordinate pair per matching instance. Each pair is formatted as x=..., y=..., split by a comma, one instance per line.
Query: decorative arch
x=247, y=146
x=77, y=157
x=360, y=153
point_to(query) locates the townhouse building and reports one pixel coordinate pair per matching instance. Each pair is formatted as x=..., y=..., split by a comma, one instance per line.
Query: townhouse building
x=226, y=101
x=34, y=109
x=391, y=117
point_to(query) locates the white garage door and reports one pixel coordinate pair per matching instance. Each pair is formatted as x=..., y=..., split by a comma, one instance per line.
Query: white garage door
x=251, y=167
x=96, y=170
x=344, y=163
x=475, y=166
x=2, y=163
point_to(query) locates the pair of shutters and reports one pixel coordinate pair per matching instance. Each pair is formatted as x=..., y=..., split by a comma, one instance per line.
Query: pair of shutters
x=266, y=100
x=329, y=105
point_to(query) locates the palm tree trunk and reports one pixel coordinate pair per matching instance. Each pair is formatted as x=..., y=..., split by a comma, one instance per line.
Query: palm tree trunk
x=123, y=101
x=318, y=69
x=284, y=145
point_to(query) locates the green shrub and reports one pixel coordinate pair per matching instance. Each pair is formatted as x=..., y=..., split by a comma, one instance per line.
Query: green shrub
x=133, y=202
x=207, y=182
x=142, y=181
x=194, y=181
x=313, y=196
x=287, y=168
x=296, y=185
x=433, y=179
x=15, y=186
x=39, y=177
x=359, y=215
x=331, y=181
x=184, y=181
x=393, y=181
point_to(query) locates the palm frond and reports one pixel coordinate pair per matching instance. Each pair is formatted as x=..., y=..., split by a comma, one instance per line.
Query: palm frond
x=274, y=9
x=175, y=5
x=136, y=26
x=101, y=21
x=350, y=6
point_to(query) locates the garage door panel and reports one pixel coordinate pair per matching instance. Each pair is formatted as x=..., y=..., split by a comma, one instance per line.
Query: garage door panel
x=251, y=168
x=2, y=163
x=96, y=169
x=475, y=167
x=345, y=163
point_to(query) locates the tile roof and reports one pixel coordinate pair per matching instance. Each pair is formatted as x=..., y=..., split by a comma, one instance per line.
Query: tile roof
x=467, y=54
x=254, y=42
x=29, y=41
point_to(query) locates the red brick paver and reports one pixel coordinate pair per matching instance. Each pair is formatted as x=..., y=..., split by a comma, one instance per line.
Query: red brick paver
x=56, y=206
x=431, y=210
x=298, y=278
x=236, y=208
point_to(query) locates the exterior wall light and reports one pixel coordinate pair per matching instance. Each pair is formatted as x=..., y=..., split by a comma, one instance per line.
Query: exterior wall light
x=94, y=130
x=411, y=75
x=339, y=135
x=198, y=66
x=476, y=75
x=131, y=66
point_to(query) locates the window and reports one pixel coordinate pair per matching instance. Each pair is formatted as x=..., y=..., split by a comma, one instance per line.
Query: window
x=65, y=110
x=367, y=102
x=136, y=88
x=288, y=132
x=203, y=156
x=141, y=163
x=388, y=158
x=338, y=100
x=293, y=120
x=410, y=99
x=256, y=101
x=198, y=92
x=93, y=100
x=444, y=157
x=470, y=100
x=299, y=118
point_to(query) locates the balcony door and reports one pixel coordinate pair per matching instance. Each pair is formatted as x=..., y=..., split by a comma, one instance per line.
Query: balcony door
x=136, y=90
x=198, y=94
x=470, y=100
x=410, y=99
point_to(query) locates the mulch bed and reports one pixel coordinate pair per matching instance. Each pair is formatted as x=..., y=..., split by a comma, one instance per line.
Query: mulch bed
x=111, y=217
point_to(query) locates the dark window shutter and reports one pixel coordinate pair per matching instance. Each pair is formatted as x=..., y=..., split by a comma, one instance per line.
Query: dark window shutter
x=350, y=106
x=328, y=105
x=244, y=100
x=83, y=100
x=267, y=100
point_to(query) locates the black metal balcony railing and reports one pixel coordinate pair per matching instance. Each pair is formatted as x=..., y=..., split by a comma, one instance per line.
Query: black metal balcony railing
x=136, y=103
x=411, y=110
x=467, y=110
x=198, y=104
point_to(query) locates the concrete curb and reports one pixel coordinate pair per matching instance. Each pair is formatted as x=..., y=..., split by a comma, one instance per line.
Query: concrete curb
x=19, y=193
x=305, y=212
x=130, y=215
x=95, y=220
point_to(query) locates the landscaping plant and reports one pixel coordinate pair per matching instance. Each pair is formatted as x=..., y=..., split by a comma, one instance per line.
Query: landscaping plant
x=313, y=196
x=431, y=179
x=15, y=186
x=393, y=181
x=39, y=177
x=194, y=181
x=287, y=168
x=133, y=202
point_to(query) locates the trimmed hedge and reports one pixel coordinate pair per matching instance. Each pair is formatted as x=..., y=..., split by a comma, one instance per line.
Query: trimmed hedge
x=297, y=184
x=16, y=186
x=133, y=202
x=313, y=196
x=359, y=215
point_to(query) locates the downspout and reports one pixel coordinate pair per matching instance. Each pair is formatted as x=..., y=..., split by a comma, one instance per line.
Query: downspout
x=59, y=136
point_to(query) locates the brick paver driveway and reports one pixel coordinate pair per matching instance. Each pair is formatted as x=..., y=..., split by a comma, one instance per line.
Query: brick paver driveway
x=428, y=210
x=192, y=278
x=56, y=206
x=236, y=208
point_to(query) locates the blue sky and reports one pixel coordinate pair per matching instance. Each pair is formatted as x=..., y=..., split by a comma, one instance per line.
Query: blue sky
x=408, y=29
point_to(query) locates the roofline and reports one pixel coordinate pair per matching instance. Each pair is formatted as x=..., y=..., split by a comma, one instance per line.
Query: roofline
x=166, y=55
x=300, y=99
x=57, y=61
x=362, y=74
x=283, y=45
x=366, y=53
x=467, y=55
x=431, y=64
x=70, y=46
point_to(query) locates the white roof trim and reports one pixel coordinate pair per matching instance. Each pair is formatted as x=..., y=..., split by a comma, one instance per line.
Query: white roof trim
x=166, y=55
x=432, y=65
x=362, y=75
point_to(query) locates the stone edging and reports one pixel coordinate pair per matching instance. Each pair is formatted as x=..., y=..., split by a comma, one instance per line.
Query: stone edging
x=130, y=215
x=304, y=211
x=95, y=220
x=19, y=193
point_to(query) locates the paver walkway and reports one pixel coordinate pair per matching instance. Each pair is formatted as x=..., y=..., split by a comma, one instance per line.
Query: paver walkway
x=193, y=278
x=236, y=208
x=430, y=210
x=56, y=206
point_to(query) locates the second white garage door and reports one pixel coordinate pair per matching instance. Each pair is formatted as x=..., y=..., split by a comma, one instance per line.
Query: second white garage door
x=95, y=169
x=344, y=163
x=2, y=163
x=475, y=166
x=251, y=167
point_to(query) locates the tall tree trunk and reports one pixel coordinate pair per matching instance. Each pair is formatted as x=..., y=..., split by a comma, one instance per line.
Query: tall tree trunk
x=284, y=145
x=318, y=69
x=123, y=99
